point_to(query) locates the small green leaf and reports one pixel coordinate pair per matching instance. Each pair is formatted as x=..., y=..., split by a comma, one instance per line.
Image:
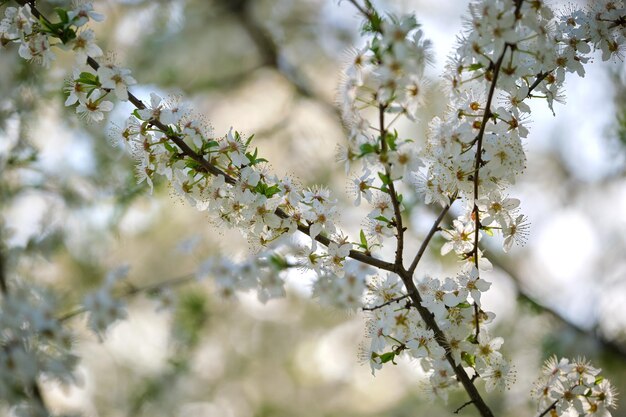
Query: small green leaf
x=475, y=66
x=363, y=239
x=468, y=359
x=384, y=178
x=391, y=140
x=279, y=262
x=62, y=13
x=367, y=148
x=387, y=357
x=383, y=219
x=88, y=78
x=271, y=191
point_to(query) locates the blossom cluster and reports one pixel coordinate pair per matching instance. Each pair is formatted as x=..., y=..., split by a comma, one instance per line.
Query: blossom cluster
x=511, y=51
x=574, y=386
x=395, y=328
x=35, y=36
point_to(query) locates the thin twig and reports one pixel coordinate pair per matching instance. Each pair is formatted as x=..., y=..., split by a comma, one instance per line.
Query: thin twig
x=385, y=304
x=547, y=410
x=458, y=410
x=406, y=277
x=391, y=190
x=441, y=340
x=429, y=236
x=540, y=77
x=212, y=169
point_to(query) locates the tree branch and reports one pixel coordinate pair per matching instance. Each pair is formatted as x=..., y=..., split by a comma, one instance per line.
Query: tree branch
x=386, y=303
x=547, y=410
x=430, y=235
x=212, y=169
x=391, y=190
x=440, y=337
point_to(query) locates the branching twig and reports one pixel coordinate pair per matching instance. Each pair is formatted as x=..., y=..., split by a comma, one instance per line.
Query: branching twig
x=440, y=337
x=458, y=410
x=386, y=303
x=391, y=190
x=213, y=170
x=430, y=235
x=547, y=410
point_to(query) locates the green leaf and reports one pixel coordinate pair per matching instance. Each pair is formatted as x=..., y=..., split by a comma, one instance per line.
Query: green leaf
x=475, y=66
x=373, y=23
x=88, y=78
x=391, y=140
x=363, y=239
x=384, y=178
x=488, y=230
x=367, y=148
x=62, y=13
x=383, y=219
x=468, y=359
x=279, y=262
x=170, y=148
x=387, y=357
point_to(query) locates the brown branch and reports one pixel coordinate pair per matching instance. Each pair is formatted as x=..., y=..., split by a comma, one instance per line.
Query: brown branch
x=458, y=410
x=440, y=337
x=212, y=169
x=540, y=77
x=391, y=189
x=547, y=410
x=479, y=149
x=479, y=161
x=430, y=235
x=397, y=267
x=386, y=303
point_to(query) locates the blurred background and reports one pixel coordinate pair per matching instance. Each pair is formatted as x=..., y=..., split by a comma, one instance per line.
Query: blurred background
x=71, y=211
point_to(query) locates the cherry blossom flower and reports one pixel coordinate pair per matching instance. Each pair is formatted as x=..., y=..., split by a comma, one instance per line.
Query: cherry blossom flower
x=116, y=79
x=94, y=107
